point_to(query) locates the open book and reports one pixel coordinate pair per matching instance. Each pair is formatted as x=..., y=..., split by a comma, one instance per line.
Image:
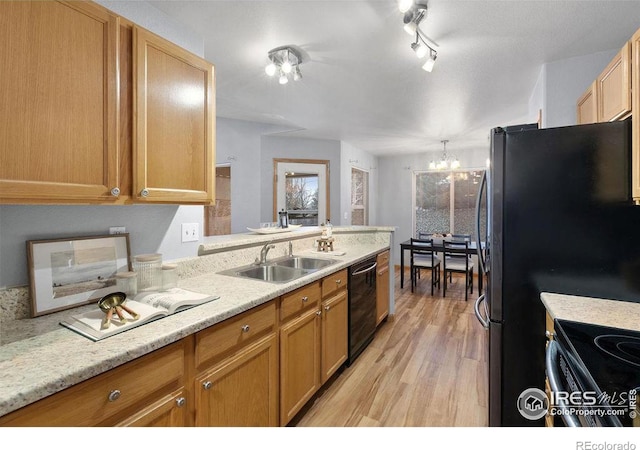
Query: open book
x=148, y=306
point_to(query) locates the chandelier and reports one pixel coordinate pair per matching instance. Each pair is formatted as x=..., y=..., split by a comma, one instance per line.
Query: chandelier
x=285, y=62
x=447, y=162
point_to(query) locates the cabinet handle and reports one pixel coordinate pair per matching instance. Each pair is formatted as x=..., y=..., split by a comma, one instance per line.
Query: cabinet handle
x=144, y=192
x=305, y=298
x=114, y=395
x=318, y=313
x=245, y=328
x=327, y=308
x=115, y=192
x=338, y=281
x=207, y=385
x=548, y=334
x=180, y=402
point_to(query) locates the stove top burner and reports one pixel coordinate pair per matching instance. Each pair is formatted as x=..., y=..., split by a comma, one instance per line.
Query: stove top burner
x=621, y=347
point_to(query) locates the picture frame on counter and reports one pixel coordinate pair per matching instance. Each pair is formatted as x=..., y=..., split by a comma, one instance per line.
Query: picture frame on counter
x=65, y=273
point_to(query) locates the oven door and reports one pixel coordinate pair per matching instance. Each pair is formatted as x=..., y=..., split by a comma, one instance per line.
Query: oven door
x=569, y=384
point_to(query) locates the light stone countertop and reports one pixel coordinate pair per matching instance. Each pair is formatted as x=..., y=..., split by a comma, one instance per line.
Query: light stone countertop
x=53, y=358
x=597, y=311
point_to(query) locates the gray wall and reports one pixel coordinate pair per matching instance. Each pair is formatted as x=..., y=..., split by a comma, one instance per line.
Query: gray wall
x=299, y=148
x=238, y=143
x=561, y=83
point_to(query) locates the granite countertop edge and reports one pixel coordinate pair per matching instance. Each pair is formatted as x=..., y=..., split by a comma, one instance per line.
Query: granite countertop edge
x=596, y=311
x=37, y=367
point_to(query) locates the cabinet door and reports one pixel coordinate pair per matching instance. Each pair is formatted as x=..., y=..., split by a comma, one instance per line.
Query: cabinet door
x=587, y=110
x=242, y=390
x=174, y=123
x=635, y=149
x=58, y=102
x=171, y=411
x=614, y=87
x=335, y=329
x=382, y=294
x=299, y=363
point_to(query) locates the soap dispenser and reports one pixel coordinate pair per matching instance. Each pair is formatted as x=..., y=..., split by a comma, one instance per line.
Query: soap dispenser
x=284, y=218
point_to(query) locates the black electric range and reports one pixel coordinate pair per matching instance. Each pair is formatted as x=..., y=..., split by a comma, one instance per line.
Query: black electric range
x=604, y=363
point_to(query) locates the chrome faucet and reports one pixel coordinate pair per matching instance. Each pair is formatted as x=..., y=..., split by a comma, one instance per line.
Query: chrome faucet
x=263, y=253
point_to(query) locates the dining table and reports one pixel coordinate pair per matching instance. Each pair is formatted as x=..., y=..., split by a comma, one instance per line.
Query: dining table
x=438, y=247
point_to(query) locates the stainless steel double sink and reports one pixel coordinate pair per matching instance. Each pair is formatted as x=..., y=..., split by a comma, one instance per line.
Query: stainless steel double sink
x=281, y=270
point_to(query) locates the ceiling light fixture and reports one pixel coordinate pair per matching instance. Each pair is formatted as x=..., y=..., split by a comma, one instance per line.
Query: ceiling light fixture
x=446, y=162
x=284, y=61
x=414, y=13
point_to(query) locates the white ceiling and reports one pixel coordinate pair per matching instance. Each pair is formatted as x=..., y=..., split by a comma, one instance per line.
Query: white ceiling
x=363, y=84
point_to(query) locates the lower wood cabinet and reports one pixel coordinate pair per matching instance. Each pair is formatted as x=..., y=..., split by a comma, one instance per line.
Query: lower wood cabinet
x=237, y=370
x=300, y=354
x=335, y=338
x=133, y=393
x=382, y=287
x=241, y=391
x=170, y=411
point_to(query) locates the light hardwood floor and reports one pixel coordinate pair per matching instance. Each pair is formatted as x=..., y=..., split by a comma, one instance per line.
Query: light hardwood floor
x=426, y=367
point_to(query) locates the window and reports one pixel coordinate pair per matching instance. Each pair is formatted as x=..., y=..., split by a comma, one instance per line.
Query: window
x=301, y=193
x=359, y=197
x=445, y=202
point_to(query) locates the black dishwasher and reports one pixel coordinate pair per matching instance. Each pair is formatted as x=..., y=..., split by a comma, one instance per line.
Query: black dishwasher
x=362, y=306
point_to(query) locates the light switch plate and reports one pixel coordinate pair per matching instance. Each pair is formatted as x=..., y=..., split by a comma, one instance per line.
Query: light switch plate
x=190, y=232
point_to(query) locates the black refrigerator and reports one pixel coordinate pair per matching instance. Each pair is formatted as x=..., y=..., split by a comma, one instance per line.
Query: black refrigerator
x=556, y=214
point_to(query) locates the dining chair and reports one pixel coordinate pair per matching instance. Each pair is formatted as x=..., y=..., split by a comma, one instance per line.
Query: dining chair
x=458, y=260
x=423, y=257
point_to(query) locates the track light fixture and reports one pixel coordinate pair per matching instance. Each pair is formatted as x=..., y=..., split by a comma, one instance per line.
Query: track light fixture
x=284, y=61
x=414, y=13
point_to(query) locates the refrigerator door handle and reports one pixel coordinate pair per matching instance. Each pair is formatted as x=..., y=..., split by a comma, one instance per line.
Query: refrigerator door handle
x=481, y=260
x=484, y=321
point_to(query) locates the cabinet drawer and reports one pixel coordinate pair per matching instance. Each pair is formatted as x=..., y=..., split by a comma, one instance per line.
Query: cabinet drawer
x=109, y=397
x=228, y=336
x=334, y=282
x=383, y=259
x=299, y=300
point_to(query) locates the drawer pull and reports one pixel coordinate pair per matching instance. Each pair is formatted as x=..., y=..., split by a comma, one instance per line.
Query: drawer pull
x=245, y=328
x=180, y=402
x=327, y=308
x=305, y=298
x=338, y=281
x=114, y=395
x=115, y=192
x=318, y=313
x=207, y=385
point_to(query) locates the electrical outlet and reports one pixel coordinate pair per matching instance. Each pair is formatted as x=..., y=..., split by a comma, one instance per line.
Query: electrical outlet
x=190, y=232
x=117, y=230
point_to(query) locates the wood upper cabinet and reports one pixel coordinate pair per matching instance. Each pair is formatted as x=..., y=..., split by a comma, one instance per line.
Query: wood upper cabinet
x=613, y=87
x=237, y=371
x=174, y=117
x=382, y=287
x=587, y=109
x=58, y=102
x=635, y=126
